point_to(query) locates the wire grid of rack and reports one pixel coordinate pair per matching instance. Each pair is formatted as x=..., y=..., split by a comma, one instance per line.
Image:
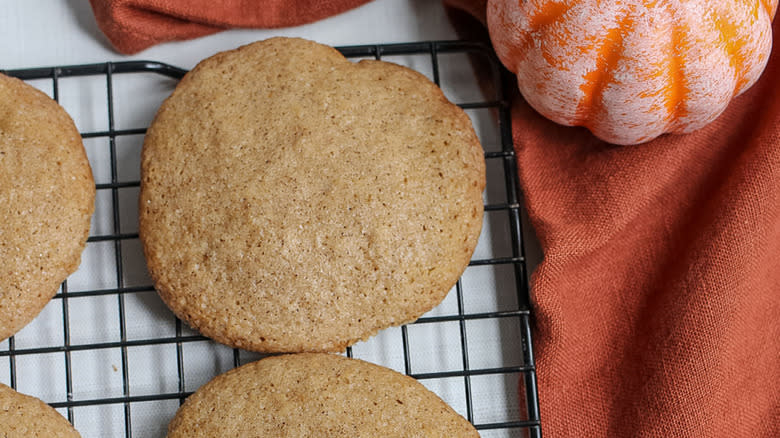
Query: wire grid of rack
x=120, y=254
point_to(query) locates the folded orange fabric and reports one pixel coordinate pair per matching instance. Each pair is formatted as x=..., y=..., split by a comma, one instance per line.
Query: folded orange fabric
x=134, y=25
x=657, y=304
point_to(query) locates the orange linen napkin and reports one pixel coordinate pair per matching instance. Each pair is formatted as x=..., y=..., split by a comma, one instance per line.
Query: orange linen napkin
x=657, y=304
x=134, y=25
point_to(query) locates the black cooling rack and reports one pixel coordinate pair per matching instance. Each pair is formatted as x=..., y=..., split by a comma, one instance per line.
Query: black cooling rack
x=501, y=159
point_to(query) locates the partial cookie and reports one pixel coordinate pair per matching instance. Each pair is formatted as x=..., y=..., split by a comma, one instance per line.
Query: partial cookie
x=316, y=395
x=22, y=416
x=294, y=201
x=47, y=196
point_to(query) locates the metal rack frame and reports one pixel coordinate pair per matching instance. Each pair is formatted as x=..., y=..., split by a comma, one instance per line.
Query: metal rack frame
x=530, y=426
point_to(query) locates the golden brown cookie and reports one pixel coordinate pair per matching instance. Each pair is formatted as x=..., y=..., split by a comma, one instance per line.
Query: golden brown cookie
x=316, y=395
x=294, y=201
x=47, y=196
x=23, y=416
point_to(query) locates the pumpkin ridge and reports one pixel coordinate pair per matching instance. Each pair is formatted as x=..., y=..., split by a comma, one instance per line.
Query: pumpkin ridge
x=516, y=51
x=770, y=7
x=609, y=53
x=755, y=8
x=678, y=89
x=549, y=14
x=729, y=37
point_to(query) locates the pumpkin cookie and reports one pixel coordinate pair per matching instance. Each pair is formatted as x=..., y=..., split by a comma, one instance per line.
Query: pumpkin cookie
x=22, y=416
x=294, y=201
x=47, y=196
x=316, y=394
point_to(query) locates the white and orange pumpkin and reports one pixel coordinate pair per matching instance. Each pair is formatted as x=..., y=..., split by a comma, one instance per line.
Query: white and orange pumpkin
x=632, y=70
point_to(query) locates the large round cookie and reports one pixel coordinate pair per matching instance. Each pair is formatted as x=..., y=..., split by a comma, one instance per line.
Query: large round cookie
x=294, y=201
x=22, y=416
x=47, y=197
x=316, y=395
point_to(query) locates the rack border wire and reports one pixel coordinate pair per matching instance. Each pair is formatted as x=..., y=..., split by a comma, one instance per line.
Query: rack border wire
x=531, y=425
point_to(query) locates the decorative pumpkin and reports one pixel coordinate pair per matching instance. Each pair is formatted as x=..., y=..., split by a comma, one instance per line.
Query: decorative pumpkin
x=632, y=70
